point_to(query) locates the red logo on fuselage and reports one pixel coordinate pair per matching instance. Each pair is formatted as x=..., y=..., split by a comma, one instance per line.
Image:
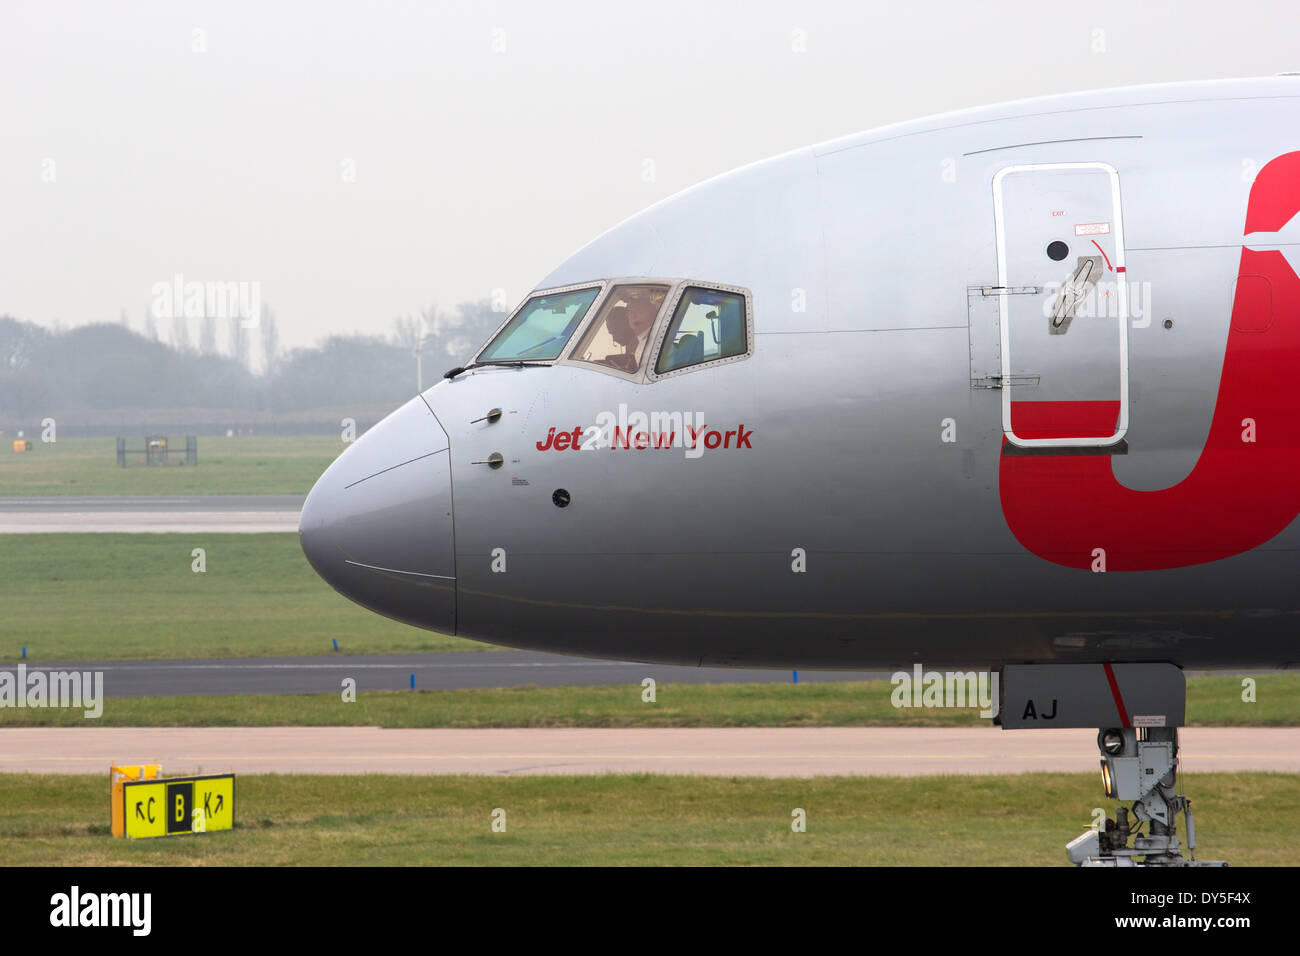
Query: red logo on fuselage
x=1241, y=492
x=585, y=438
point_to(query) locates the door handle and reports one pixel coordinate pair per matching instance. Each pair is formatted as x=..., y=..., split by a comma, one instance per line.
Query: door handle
x=1074, y=291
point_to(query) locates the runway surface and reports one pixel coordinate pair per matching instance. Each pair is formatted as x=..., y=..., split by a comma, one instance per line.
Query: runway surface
x=447, y=671
x=765, y=752
x=188, y=514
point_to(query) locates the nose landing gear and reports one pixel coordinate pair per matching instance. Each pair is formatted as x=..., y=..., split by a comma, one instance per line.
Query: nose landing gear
x=1143, y=705
x=1140, y=764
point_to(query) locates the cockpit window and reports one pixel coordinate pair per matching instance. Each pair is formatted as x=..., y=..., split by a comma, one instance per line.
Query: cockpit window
x=539, y=330
x=708, y=324
x=620, y=335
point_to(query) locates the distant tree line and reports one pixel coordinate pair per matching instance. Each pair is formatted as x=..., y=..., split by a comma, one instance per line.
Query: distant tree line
x=111, y=366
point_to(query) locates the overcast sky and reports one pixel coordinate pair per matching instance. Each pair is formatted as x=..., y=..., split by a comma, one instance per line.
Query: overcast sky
x=362, y=160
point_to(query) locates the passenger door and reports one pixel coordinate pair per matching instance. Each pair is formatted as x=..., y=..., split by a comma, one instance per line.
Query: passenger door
x=1064, y=346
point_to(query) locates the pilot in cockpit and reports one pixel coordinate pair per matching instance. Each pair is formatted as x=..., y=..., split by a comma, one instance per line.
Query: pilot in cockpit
x=630, y=324
x=641, y=311
x=622, y=332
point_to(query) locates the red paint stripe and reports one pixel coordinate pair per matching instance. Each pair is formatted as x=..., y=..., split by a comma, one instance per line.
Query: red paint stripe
x=1275, y=195
x=1103, y=255
x=1114, y=692
x=1064, y=419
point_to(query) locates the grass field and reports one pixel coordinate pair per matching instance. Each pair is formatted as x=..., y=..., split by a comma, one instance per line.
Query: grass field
x=132, y=596
x=1211, y=702
x=1026, y=819
x=246, y=465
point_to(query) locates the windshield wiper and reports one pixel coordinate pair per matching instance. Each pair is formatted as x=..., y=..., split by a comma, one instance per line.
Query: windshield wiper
x=554, y=338
x=516, y=363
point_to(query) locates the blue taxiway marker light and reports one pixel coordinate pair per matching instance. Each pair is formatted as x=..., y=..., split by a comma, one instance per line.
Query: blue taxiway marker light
x=412, y=682
x=24, y=653
x=336, y=643
x=796, y=677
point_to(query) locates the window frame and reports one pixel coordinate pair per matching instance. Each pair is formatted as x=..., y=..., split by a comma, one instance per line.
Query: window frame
x=567, y=356
x=666, y=318
x=601, y=285
x=608, y=286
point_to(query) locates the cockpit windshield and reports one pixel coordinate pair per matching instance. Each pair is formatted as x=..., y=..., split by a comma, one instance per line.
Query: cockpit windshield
x=619, y=336
x=539, y=330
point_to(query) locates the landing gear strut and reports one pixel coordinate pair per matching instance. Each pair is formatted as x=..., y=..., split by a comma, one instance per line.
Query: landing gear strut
x=1140, y=764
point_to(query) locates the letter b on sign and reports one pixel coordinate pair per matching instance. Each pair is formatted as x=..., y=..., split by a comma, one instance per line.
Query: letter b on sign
x=180, y=799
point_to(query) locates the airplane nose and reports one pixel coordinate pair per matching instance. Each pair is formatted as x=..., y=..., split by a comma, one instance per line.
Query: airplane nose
x=377, y=525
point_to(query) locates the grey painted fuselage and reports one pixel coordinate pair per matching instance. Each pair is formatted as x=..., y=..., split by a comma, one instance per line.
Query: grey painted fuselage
x=856, y=512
